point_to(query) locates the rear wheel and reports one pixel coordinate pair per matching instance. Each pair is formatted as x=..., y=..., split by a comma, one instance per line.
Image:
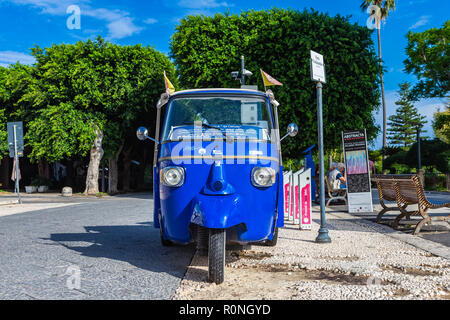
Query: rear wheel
x=216, y=255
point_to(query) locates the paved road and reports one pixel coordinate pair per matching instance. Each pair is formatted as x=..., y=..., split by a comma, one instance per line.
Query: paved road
x=110, y=242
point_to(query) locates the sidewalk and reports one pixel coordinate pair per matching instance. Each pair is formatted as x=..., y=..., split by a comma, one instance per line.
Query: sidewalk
x=364, y=261
x=36, y=201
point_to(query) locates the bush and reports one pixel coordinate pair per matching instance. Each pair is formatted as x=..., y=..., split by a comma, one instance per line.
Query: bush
x=40, y=181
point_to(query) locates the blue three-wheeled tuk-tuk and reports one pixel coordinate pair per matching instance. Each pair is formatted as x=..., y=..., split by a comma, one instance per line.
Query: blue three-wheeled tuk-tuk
x=217, y=171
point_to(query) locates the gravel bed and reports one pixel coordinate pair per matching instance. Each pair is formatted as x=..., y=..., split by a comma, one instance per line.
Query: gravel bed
x=360, y=263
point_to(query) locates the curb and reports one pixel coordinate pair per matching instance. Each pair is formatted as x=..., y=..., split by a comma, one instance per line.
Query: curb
x=4, y=203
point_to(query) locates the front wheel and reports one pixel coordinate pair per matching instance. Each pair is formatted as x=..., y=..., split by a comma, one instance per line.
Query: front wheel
x=273, y=242
x=216, y=255
x=164, y=242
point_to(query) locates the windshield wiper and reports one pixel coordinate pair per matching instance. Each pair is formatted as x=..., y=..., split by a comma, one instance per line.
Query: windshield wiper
x=210, y=127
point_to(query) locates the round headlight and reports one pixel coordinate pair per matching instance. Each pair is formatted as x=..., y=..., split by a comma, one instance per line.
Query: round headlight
x=263, y=176
x=172, y=176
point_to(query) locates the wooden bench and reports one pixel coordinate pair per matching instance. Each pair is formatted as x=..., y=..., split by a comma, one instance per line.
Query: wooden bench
x=386, y=192
x=334, y=194
x=411, y=192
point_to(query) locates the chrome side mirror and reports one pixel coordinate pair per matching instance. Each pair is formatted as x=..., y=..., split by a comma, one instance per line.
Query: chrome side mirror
x=142, y=134
x=292, y=131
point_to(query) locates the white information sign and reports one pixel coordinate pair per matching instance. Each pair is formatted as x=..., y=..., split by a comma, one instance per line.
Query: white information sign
x=317, y=67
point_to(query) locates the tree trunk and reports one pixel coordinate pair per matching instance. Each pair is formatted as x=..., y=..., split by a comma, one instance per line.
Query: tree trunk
x=113, y=171
x=94, y=164
x=5, y=172
x=383, y=101
x=127, y=169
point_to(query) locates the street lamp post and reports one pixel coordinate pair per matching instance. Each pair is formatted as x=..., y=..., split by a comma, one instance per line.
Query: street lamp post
x=419, y=161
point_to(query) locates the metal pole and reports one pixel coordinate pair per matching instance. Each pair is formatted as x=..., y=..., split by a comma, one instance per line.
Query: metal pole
x=16, y=158
x=242, y=70
x=323, y=231
x=419, y=161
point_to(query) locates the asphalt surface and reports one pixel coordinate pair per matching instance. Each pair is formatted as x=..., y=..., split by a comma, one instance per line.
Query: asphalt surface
x=100, y=249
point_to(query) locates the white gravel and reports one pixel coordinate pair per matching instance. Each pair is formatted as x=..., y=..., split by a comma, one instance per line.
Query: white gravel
x=361, y=262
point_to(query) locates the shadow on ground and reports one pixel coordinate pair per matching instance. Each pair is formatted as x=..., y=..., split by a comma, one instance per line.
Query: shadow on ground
x=138, y=245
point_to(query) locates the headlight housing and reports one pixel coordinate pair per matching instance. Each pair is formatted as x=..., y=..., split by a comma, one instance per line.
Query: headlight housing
x=172, y=176
x=263, y=176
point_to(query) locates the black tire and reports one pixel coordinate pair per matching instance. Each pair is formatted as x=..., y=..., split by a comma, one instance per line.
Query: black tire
x=216, y=255
x=273, y=242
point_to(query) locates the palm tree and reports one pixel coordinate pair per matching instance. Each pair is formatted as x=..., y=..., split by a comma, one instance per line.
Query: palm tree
x=385, y=7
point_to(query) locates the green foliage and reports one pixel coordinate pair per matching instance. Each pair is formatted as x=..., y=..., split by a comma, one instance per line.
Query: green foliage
x=207, y=49
x=441, y=124
x=403, y=124
x=3, y=134
x=40, y=181
x=396, y=159
x=377, y=157
x=429, y=59
x=112, y=86
x=385, y=6
x=61, y=132
x=434, y=153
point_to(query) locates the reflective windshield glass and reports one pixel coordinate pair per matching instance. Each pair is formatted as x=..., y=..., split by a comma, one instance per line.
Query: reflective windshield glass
x=216, y=117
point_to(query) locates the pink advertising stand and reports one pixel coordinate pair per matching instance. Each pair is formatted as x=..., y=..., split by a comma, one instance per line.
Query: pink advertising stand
x=304, y=193
x=287, y=177
x=296, y=196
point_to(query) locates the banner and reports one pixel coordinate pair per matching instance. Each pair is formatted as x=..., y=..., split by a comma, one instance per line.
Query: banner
x=296, y=196
x=287, y=193
x=359, y=191
x=305, y=199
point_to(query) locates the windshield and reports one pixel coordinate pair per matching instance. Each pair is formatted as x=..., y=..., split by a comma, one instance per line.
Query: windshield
x=218, y=117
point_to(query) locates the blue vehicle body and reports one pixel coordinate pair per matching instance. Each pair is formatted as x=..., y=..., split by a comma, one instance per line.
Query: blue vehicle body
x=218, y=192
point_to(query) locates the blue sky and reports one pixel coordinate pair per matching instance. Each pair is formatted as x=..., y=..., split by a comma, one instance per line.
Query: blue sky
x=25, y=23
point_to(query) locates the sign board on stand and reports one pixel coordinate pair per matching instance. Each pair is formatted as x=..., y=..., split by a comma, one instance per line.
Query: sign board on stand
x=305, y=199
x=296, y=196
x=359, y=191
x=287, y=193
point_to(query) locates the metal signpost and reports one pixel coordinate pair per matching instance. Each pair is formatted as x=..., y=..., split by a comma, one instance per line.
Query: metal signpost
x=318, y=75
x=15, y=143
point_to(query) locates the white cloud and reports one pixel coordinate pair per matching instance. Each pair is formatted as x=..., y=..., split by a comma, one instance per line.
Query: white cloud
x=118, y=22
x=423, y=20
x=150, y=21
x=53, y=7
x=201, y=4
x=9, y=57
x=122, y=28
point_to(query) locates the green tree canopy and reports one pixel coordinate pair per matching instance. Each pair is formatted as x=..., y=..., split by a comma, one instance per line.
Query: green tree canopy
x=404, y=123
x=429, y=59
x=278, y=41
x=441, y=124
x=97, y=84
